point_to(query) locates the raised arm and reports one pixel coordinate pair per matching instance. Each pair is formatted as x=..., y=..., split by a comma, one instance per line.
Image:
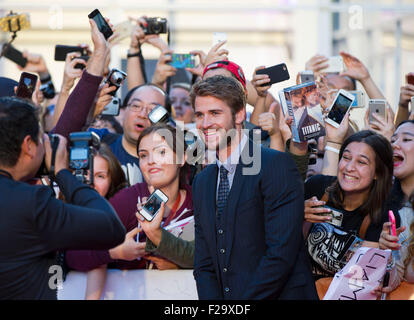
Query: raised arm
x=77, y=107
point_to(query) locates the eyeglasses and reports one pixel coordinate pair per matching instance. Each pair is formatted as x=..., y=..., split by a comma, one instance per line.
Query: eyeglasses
x=136, y=108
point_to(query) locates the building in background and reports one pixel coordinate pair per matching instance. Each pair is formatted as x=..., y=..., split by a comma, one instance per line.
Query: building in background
x=259, y=32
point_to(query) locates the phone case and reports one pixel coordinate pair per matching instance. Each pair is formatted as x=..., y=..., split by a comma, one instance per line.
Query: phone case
x=15, y=55
x=339, y=108
x=379, y=107
x=27, y=85
x=277, y=73
x=61, y=51
x=393, y=229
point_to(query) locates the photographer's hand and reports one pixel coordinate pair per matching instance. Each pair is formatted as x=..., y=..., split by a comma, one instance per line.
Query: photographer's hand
x=61, y=159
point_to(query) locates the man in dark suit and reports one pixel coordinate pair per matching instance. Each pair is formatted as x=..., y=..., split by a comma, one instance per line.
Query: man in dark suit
x=33, y=223
x=248, y=208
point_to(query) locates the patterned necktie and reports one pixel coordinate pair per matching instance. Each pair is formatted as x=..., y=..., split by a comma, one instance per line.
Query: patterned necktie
x=223, y=191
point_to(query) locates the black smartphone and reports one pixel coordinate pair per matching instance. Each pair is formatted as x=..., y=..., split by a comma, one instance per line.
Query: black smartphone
x=410, y=78
x=15, y=55
x=80, y=65
x=27, y=85
x=277, y=73
x=61, y=51
x=103, y=26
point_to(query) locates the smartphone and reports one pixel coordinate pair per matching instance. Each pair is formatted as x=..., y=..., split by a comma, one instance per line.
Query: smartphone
x=61, y=51
x=339, y=108
x=124, y=29
x=359, y=101
x=80, y=65
x=335, y=65
x=393, y=229
x=153, y=205
x=103, y=26
x=377, y=106
x=27, y=85
x=158, y=114
x=306, y=76
x=14, y=55
x=336, y=215
x=277, y=73
x=219, y=37
x=112, y=108
x=182, y=60
x=410, y=78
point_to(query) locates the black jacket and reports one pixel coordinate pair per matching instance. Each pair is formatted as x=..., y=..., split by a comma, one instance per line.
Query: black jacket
x=34, y=224
x=258, y=251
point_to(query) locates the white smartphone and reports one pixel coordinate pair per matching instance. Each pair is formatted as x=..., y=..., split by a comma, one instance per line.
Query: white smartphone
x=339, y=108
x=335, y=65
x=359, y=101
x=306, y=76
x=377, y=106
x=219, y=37
x=153, y=205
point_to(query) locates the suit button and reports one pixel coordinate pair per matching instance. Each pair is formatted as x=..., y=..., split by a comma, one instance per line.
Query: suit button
x=222, y=251
x=220, y=231
x=224, y=269
x=226, y=289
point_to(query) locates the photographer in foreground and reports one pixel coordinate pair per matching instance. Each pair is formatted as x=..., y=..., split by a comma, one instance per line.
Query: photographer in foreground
x=33, y=223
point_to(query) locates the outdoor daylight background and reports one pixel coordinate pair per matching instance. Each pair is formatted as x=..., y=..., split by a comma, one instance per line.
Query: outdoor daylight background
x=259, y=32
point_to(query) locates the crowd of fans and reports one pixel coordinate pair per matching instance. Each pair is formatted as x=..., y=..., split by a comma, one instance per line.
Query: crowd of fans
x=362, y=171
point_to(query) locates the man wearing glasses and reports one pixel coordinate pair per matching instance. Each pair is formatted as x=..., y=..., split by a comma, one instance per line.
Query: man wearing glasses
x=138, y=102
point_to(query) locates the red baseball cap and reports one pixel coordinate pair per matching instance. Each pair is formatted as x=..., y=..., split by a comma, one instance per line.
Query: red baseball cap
x=235, y=69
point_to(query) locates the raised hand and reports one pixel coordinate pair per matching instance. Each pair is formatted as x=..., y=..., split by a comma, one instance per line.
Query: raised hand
x=355, y=68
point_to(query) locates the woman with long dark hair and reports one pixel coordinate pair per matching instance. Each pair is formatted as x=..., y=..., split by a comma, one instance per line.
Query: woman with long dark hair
x=359, y=192
x=402, y=197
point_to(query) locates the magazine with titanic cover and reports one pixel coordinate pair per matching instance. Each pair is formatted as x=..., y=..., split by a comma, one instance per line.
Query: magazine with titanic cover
x=302, y=103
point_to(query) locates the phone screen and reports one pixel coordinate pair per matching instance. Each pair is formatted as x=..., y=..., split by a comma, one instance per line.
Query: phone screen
x=27, y=85
x=185, y=60
x=339, y=108
x=103, y=26
x=153, y=205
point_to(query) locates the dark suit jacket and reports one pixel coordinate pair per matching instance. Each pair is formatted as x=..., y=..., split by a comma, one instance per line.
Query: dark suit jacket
x=265, y=253
x=34, y=224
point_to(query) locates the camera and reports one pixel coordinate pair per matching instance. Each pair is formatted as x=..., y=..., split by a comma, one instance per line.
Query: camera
x=48, y=90
x=115, y=78
x=155, y=26
x=83, y=146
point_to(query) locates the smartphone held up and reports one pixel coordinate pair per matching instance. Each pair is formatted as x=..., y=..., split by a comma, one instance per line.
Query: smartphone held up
x=339, y=108
x=27, y=85
x=101, y=23
x=153, y=205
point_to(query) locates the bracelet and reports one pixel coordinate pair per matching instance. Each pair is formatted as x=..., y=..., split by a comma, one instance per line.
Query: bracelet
x=333, y=142
x=328, y=148
x=131, y=55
